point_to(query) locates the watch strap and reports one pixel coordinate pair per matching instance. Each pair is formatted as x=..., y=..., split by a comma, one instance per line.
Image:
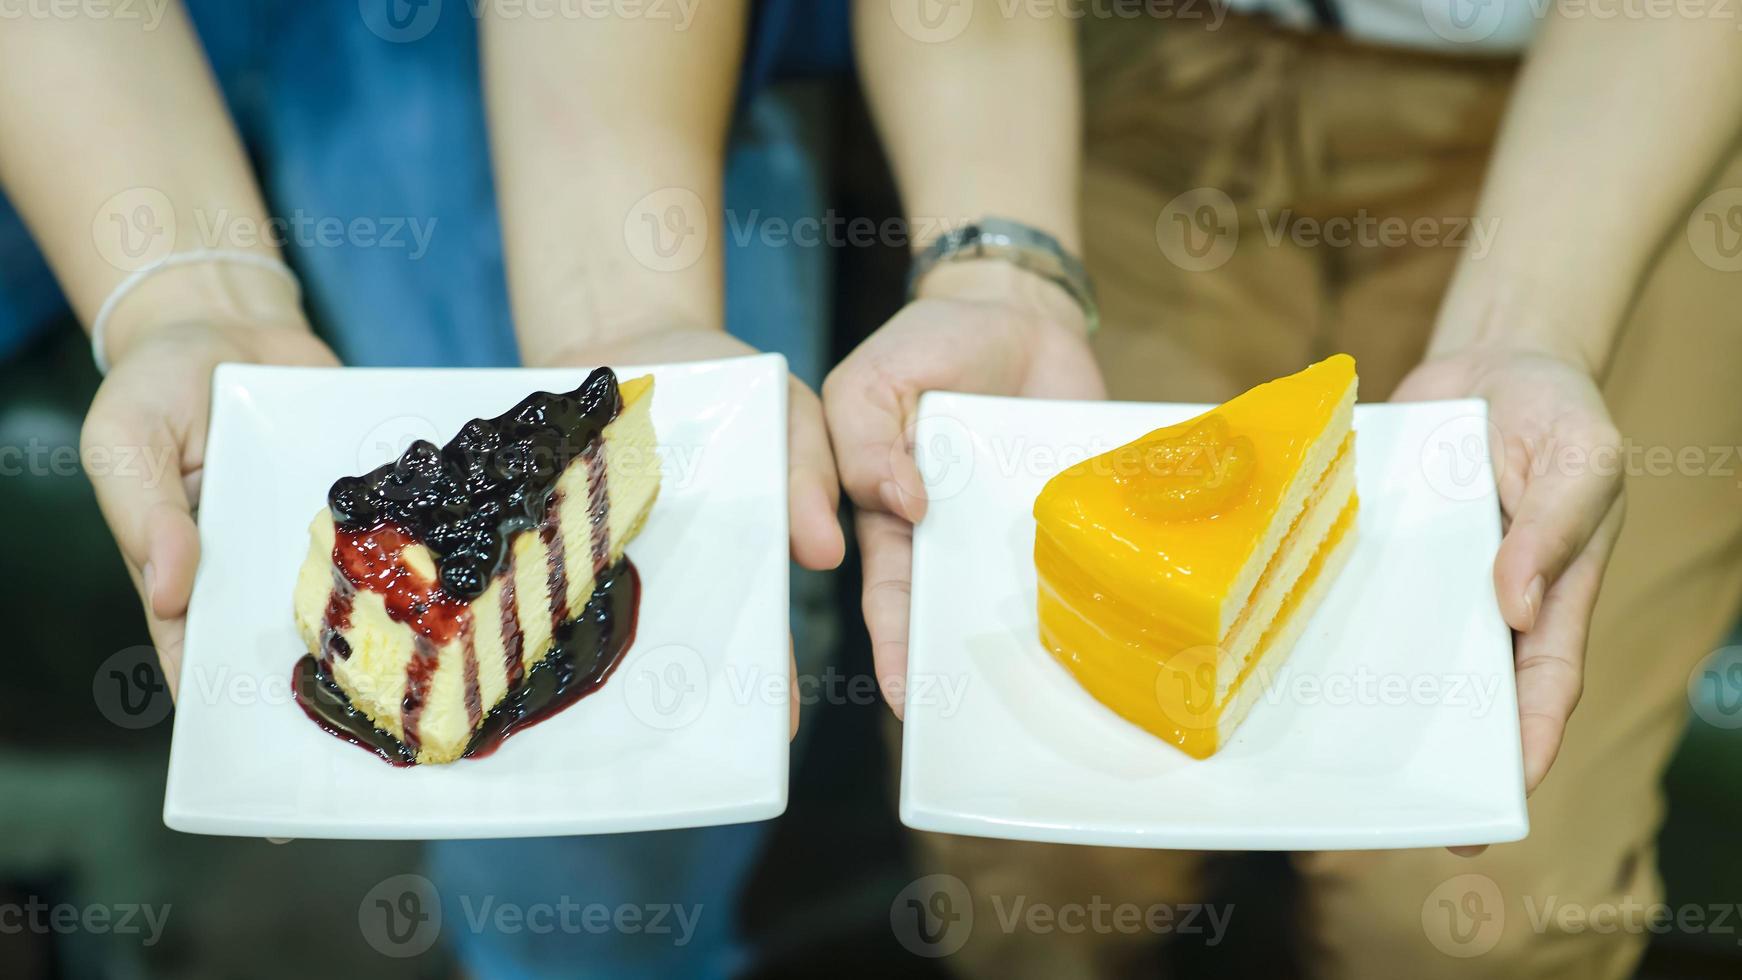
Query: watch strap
x=1021, y=245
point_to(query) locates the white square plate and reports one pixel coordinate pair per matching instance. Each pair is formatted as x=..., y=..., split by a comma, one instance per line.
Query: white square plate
x=691, y=730
x=1393, y=724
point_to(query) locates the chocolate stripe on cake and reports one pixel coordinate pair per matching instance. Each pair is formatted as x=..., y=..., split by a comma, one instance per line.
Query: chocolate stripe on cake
x=556, y=559
x=513, y=640
x=599, y=508
x=474, y=696
x=418, y=671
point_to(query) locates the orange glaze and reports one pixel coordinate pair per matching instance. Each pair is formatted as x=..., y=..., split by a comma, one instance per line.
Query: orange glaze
x=1184, y=472
x=1137, y=550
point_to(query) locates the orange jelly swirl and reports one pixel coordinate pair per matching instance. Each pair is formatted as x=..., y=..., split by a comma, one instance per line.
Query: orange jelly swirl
x=1182, y=476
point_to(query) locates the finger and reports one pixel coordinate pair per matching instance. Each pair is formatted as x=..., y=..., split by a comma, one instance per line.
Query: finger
x=868, y=418
x=1553, y=521
x=1551, y=656
x=813, y=492
x=886, y=546
x=139, y=489
x=167, y=636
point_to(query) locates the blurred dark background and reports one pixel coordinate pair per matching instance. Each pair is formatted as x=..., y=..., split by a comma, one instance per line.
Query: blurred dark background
x=80, y=797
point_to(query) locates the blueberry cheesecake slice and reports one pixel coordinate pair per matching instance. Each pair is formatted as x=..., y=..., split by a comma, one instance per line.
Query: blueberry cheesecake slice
x=466, y=590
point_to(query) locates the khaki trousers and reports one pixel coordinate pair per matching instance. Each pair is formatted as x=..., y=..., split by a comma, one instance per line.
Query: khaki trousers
x=1331, y=130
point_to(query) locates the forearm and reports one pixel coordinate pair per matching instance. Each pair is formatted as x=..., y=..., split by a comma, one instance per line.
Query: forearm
x=588, y=118
x=1614, y=128
x=987, y=123
x=116, y=149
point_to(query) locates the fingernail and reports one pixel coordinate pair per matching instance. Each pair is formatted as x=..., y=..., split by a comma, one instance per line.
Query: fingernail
x=149, y=575
x=1532, y=601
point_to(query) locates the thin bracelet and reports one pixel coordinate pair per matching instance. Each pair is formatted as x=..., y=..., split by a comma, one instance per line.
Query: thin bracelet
x=127, y=285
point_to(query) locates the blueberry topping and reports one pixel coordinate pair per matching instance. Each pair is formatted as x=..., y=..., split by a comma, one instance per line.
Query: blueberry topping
x=467, y=499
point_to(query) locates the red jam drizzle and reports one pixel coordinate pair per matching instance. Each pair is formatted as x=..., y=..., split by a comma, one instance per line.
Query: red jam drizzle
x=373, y=559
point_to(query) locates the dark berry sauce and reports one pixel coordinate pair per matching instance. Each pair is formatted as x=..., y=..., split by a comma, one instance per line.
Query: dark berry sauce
x=585, y=651
x=466, y=500
x=327, y=706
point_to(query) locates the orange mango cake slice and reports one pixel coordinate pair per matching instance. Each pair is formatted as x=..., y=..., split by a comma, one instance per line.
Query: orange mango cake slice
x=1177, y=571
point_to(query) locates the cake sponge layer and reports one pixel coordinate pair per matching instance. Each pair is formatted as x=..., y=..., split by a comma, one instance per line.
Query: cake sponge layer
x=1273, y=650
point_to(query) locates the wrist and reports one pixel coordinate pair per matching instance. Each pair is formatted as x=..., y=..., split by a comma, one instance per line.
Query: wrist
x=626, y=332
x=222, y=294
x=997, y=281
x=1516, y=316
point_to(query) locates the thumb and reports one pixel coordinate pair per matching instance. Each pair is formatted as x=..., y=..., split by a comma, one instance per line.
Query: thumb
x=1555, y=517
x=869, y=416
x=134, y=463
x=813, y=490
x=886, y=549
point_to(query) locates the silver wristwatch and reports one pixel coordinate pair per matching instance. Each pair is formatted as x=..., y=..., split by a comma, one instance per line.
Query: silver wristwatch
x=1022, y=246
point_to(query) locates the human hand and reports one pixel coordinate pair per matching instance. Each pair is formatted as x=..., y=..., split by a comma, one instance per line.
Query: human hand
x=813, y=493
x=147, y=425
x=1563, y=510
x=984, y=327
